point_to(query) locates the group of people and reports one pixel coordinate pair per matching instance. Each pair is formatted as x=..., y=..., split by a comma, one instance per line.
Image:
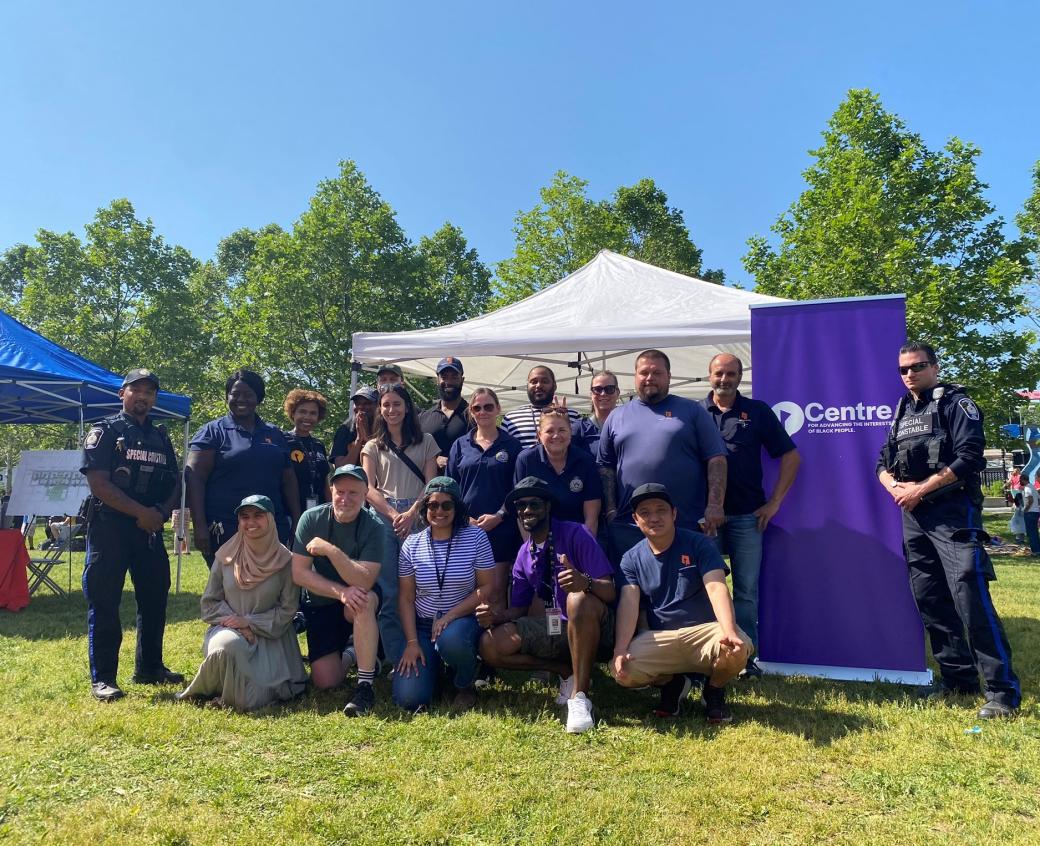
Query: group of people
x=451, y=542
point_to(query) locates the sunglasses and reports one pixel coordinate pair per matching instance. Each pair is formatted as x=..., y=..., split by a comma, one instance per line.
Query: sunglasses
x=446, y=506
x=486, y=407
x=609, y=390
x=916, y=367
x=529, y=504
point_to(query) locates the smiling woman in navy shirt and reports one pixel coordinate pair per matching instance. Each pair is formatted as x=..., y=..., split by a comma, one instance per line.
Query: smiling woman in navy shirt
x=570, y=471
x=234, y=457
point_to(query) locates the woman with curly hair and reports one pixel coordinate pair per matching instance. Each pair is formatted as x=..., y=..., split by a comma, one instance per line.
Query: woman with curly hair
x=307, y=455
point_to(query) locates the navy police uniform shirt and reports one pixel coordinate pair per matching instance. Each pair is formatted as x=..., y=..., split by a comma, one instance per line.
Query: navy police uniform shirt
x=746, y=428
x=585, y=434
x=672, y=583
x=445, y=430
x=577, y=484
x=485, y=476
x=311, y=465
x=142, y=448
x=246, y=463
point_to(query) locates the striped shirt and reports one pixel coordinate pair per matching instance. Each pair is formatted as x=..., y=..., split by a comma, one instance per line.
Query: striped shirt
x=522, y=423
x=457, y=560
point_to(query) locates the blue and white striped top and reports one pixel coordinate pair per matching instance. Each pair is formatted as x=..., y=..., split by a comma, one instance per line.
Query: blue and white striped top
x=422, y=557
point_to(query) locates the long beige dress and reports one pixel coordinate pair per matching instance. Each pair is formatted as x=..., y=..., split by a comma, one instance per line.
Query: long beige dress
x=249, y=675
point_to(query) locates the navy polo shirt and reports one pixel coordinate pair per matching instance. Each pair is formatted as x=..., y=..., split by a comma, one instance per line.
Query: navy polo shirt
x=485, y=476
x=311, y=465
x=585, y=434
x=577, y=484
x=672, y=583
x=746, y=428
x=445, y=430
x=246, y=463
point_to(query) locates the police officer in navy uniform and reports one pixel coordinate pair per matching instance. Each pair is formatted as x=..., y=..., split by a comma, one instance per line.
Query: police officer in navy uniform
x=131, y=469
x=930, y=465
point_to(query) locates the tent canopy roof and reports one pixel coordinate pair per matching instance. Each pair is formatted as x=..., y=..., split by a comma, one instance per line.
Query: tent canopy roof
x=598, y=317
x=41, y=382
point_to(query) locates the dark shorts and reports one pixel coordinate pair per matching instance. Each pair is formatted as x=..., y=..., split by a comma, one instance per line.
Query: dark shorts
x=536, y=641
x=328, y=631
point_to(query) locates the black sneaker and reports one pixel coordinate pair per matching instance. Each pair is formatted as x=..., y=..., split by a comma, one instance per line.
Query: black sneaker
x=363, y=701
x=714, y=701
x=940, y=691
x=104, y=691
x=672, y=695
x=751, y=670
x=994, y=709
x=165, y=676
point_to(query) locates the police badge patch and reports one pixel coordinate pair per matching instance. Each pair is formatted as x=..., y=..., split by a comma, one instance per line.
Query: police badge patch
x=92, y=438
x=502, y=456
x=576, y=485
x=969, y=408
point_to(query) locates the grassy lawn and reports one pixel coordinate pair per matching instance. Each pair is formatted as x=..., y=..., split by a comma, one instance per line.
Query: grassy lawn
x=805, y=761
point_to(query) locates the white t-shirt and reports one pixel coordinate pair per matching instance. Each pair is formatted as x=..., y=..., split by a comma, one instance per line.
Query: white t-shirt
x=1030, y=494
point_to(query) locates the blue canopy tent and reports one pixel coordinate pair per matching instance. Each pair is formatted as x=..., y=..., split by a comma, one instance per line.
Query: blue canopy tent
x=42, y=382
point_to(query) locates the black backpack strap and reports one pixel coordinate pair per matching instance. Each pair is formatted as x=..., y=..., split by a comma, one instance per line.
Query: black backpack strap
x=396, y=450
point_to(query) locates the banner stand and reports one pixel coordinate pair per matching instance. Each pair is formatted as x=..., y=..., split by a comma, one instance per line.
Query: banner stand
x=907, y=677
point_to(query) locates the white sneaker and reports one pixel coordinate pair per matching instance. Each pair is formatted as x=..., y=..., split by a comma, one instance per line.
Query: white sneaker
x=579, y=714
x=566, y=690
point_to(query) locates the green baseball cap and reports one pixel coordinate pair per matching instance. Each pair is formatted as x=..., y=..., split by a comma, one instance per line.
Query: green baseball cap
x=355, y=471
x=257, y=501
x=443, y=484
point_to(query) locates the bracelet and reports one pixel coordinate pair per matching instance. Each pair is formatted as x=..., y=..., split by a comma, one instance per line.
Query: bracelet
x=588, y=587
x=413, y=640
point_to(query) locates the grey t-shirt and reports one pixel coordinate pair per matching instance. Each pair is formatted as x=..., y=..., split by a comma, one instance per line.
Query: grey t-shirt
x=361, y=539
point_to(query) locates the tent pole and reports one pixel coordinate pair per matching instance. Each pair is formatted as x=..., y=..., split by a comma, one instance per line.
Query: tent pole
x=355, y=368
x=181, y=522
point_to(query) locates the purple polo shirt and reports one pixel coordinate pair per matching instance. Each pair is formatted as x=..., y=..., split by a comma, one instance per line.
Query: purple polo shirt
x=570, y=539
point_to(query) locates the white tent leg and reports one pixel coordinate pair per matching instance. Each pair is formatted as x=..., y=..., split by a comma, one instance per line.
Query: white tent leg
x=178, y=532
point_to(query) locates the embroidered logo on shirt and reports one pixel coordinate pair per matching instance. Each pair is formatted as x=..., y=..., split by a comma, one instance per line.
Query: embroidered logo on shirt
x=969, y=409
x=576, y=485
x=93, y=436
x=502, y=456
x=668, y=414
x=296, y=455
x=685, y=559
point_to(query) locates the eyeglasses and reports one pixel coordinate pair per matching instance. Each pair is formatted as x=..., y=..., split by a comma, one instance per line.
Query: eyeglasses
x=529, y=504
x=609, y=390
x=446, y=506
x=916, y=367
x=486, y=407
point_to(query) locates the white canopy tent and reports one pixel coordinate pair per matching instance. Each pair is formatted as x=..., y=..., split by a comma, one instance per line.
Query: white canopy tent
x=598, y=317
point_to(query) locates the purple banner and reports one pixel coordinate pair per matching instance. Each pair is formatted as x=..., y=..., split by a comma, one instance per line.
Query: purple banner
x=834, y=589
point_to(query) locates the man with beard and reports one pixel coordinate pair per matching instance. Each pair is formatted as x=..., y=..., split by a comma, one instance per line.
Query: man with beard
x=747, y=425
x=446, y=419
x=352, y=435
x=336, y=561
x=522, y=422
x=559, y=617
x=661, y=438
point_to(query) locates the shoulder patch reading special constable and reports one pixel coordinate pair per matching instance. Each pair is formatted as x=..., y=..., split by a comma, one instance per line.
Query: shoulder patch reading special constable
x=969, y=408
x=92, y=438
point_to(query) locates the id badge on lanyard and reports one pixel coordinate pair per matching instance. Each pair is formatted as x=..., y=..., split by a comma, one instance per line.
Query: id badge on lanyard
x=312, y=502
x=553, y=621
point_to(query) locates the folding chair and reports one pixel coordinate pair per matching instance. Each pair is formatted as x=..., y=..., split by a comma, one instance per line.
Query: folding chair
x=40, y=566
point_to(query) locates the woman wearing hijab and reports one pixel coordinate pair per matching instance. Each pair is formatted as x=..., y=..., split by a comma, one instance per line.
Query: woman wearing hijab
x=441, y=569
x=252, y=656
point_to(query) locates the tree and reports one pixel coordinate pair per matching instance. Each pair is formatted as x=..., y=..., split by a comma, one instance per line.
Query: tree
x=884, y=214
x=567, y=228
x=1028, y=221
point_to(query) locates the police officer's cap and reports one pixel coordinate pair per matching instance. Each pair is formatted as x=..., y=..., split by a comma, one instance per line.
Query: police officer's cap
x=354, y=471
x=651, y=490
x=141, y=374
x=257, y=501
x=449, y=363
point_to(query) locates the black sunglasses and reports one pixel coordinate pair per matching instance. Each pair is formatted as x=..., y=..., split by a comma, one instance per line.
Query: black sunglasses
x=486, y=407
x=609, y=390
x=916, y=367
x=529, y=504
x=447, y=505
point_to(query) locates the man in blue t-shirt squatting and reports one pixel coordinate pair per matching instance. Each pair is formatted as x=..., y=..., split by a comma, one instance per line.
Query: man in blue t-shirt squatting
x=677, y=577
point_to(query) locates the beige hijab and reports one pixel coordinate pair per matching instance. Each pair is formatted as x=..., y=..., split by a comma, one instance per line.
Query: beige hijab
x=254, y=559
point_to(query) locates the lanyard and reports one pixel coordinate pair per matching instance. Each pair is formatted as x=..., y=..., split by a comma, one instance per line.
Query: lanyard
x=545, y=580
x=442, y=575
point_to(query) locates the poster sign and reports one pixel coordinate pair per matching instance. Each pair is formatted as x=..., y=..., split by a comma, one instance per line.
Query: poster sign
x=835, y=594
x=47, y=482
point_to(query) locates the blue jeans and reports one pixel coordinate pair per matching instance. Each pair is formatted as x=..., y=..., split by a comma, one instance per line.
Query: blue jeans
x=740, y=537
x=456, y=648
x=1032, y=532
x=390, y=631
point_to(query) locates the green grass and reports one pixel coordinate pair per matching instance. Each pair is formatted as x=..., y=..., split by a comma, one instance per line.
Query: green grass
x=806, y=761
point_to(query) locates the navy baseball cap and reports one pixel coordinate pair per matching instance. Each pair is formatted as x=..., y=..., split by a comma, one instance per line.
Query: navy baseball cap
x=257, y=501
x=651, y=490
x=355, y=471
x=449, y=363
x=371, y=394
x=141, y=374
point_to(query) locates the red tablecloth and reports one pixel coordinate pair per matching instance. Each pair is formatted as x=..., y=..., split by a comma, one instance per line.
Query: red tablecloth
x=14, y=564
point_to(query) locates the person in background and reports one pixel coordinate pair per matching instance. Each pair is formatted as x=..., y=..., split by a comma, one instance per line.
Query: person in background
x=441, y=569
x=389, y=374
x=1030, y=514
x=354, y=433
x=446, y=419
x=570, y=472
x=252, y=655
x=604, y=394
x=307, y=456
x=522, y=422
x=236, y=456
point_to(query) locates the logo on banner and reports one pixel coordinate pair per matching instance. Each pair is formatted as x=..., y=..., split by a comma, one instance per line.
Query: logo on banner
x=819, y=419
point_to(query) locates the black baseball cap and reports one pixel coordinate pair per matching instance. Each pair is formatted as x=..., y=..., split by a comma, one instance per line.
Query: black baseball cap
x=371, y=394
x=529, y=486
x=355, y=471
x=651, y=490
x=449, y=363
x=390, y=368
x=140, y=374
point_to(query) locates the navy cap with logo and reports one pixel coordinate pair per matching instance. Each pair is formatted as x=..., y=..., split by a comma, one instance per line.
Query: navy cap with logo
x=354, y=471
x=390, y=368
x=651, y=490
x=140, y=374
x=370, y=394
x=257, y=501
x=449, y=363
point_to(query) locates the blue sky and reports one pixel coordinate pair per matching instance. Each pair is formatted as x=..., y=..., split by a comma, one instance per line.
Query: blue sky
x=214, y=116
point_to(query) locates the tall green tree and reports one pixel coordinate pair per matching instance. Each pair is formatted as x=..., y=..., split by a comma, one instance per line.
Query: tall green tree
x=1028, y=221
x=884, y=214
x=567, y=228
